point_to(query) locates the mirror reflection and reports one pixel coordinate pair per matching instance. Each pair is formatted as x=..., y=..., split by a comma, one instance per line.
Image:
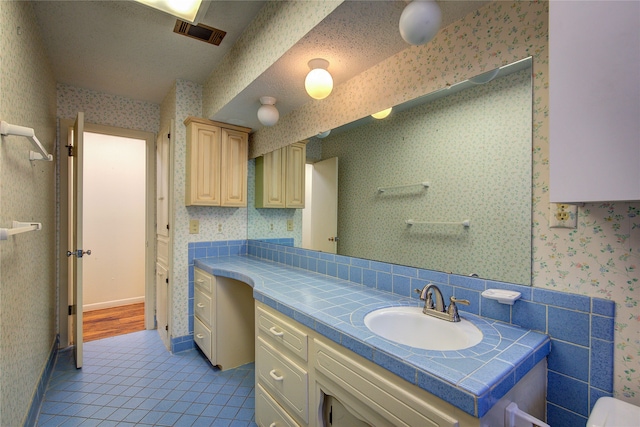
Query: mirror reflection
x=442, y=183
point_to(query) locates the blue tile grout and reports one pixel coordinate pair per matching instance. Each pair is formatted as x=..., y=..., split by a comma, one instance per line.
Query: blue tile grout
x=100, y=392
x=561, y=302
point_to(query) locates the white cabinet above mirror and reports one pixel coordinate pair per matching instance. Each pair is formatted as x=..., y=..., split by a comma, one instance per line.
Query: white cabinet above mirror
x=594, y=125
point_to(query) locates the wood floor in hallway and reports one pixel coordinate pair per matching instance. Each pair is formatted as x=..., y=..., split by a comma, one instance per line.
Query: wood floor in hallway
x=109, y=322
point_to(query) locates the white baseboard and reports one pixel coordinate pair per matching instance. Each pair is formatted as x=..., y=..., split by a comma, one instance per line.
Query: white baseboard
x=110, y=304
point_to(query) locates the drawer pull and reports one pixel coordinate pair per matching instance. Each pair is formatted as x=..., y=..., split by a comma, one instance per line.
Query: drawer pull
x=200, y=280
x=276, y=332
x=275, y=376
x=200, y=305
x=273, y=425
x=199, y=336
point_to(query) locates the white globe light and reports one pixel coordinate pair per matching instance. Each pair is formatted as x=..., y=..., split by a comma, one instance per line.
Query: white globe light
x=268, y=114
x=382, y=114
x=318, y=83
x=323, y=134
x=420, y=21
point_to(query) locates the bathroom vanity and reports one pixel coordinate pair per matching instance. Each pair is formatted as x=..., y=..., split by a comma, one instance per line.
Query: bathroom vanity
x=315, y=359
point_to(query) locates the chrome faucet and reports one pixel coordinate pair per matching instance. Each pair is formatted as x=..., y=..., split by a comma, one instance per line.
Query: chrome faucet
x=438, y=309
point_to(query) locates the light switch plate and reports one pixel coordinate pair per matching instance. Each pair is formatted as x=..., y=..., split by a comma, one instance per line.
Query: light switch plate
x=563, y=215
x=194, y=226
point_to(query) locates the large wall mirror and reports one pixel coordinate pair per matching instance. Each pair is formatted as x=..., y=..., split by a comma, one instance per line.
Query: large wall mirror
x=443, y=183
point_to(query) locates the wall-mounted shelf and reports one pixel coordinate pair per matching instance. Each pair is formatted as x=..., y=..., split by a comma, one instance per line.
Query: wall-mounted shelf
x=7, y=129
x=19, y=227
x=424, y=185
x=466, y=223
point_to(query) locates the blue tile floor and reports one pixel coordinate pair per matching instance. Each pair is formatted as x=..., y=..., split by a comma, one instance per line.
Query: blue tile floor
x=132, y=380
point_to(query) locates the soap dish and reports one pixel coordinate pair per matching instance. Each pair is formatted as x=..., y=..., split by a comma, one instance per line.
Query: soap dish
x=502, y=295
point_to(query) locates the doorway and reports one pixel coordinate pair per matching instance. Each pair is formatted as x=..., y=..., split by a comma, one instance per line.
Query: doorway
x=118, y=228
x=320, y=215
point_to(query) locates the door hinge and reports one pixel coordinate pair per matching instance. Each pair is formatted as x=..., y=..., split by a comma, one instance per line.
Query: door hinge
x=167, y=226
x=70, y=148
x=72, y=310
x=331, y=414
x=166, y=328
x=167, y=280
x=169, y=135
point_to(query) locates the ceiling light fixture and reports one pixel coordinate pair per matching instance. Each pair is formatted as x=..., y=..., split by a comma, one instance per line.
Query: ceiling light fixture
x=420, y=21
x=185, y=9
x=382, y=114
x=318, y=82
x=323, y=134
x=268, y=114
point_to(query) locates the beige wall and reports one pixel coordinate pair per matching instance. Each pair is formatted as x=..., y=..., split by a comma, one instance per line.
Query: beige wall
x=27, y=193
x=114, y=221
x=602, y=256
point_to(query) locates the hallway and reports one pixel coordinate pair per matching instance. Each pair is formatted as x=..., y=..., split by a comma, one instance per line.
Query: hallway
x=132, y=380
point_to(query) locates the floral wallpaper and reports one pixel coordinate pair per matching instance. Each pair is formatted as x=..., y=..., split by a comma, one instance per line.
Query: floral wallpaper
x=474, y=149
x=106, y=109
x=278, y=26
x=600, y=258
x=27, y=295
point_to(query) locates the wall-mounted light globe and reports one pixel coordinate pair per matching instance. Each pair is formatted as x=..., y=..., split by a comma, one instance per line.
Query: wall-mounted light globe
x=420, y=21
x=323, y=134
x=318, y=82
x=382, y=114
x=268, y=114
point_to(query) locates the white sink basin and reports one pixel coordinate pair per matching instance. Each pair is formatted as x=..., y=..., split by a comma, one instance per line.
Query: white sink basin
x=410, y=326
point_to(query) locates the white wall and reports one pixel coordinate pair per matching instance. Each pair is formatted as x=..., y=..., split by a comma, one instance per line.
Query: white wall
x=114, y=221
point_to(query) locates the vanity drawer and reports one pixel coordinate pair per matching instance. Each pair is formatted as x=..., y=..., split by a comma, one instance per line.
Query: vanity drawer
x=202, y=306
x=287, y=382
x=395, y=402
x=282, y=333
x=203, y=337
x=203, y=280
x=269, y=413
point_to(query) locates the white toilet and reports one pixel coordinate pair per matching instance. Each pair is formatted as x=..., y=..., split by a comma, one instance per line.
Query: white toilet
x=610, y=412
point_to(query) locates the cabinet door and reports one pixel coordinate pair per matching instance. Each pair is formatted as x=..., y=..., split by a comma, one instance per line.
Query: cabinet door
x=594, y=101
x=296, y=158
x=270, y=180
x=233, y=168
x=203, y=165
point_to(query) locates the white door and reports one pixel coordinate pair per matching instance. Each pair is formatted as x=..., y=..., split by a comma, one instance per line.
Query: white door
x=77, y=252
x=323, y=218
x=162, y=288
x=163, y=232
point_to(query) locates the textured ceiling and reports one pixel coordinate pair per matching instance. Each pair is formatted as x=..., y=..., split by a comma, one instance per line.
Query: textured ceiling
x=125, y=48
x=128, y=49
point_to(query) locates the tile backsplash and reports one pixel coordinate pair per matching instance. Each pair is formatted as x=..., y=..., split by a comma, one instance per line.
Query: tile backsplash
x=580, y=366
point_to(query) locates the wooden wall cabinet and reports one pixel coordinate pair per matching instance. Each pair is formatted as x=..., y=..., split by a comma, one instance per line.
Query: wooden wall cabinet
x=280, y=177
x=594, y=101
x=216, y=164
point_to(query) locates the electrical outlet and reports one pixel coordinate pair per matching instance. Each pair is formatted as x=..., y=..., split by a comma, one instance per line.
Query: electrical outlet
x=219, y=228
x=289, y=225
x=270, y=227
x=563, y=215
x=194, y=226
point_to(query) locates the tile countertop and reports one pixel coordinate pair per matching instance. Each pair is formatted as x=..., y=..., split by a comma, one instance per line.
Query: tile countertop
x=473, y=379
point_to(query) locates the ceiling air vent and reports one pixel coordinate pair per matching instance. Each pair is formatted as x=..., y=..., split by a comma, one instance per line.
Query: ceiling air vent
x=200, y=32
